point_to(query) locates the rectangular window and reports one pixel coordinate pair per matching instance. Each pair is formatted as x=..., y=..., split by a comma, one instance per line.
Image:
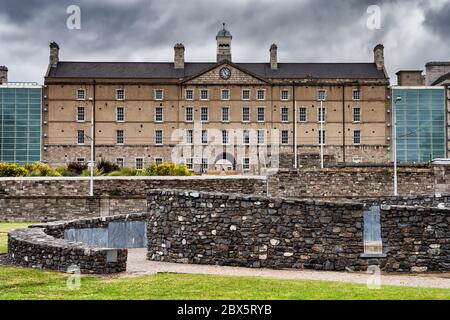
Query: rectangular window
x=261, y=136
x=225, y=114
x=322, y=137
x=225, y=94
x=119, y=137
x=80, y=114
x=81, y=94
x=284, y=114
x=139, y=164
x=189, y=114
x=321, y=115
x=204, y=136
x=204, y=164
x=189, y=136
x=159, y=94
x=225, y=137
x=159, y=114
x=261, y=114
x=81, y=160
x=284, y=95
x=120, y=162
x=189, y=94
x=356, y=94
x=246, y=164
x=204, y=114
x=159, y=161
x=356, y=114
x=120, y=114
x=120, y=94
x=204, y=95
x=159, y=137
x=357, y=137
x=190, y=163
x=284, y=137
x=246, y=137
x=80, y=136
x=261, y=94
x=302, y=114
x=321, y=95
x=245, y=114
x=246, y=94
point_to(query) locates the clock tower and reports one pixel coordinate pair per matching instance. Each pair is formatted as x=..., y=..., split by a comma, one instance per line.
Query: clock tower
x=223, y=39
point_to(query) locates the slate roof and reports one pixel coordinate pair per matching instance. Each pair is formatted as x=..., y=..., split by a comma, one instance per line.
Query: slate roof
x=166, y=70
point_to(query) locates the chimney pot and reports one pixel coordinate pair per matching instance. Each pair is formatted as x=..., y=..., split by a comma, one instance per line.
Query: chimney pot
x=179, y=56
x=3, y=74
x=54, y=53
x=273, y=57
x=378, y=53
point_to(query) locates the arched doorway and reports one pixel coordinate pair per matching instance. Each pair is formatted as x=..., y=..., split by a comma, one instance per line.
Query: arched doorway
x=225, y=162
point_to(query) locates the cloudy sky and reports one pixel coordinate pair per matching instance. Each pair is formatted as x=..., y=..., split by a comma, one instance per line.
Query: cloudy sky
x=413, y=31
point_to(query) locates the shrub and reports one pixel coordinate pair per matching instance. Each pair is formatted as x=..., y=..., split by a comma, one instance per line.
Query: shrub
x=124, y=172
x=63, y=171
x=12, y=170
x=87, y=172
x=166, y=169
x=39, y=169
x=107, y=166
x=77, y=167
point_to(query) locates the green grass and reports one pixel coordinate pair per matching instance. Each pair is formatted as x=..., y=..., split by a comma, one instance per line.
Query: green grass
x=29, y=284
x=17, y=283
x=5, y=227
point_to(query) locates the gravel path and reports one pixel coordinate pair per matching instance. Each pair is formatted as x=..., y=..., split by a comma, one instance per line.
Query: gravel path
x=138, y=266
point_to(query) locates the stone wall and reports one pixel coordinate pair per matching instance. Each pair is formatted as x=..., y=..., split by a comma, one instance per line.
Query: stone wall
x=249, y=231
x=44, y=247
x=356, y=181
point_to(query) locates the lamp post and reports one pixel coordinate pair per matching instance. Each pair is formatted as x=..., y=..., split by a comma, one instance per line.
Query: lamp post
x=394, y=141
x=322, y=135
x=92, y=162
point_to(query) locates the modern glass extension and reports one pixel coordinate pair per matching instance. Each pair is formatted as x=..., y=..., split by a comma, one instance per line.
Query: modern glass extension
x=421, y=123
x=20, y=122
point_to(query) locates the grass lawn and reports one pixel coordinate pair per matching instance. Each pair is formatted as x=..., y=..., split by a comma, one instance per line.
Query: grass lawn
x=21, y=283
x=5, y=227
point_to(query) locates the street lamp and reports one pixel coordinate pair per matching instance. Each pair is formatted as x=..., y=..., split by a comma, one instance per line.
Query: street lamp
x=92, y=162
x=394, y=141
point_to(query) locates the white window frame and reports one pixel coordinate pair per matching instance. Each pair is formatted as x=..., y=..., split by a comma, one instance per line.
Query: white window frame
x=84, y=114
x=162, y=114
x=222, y=114
x=257, y=114
x=245, y=166
x=325, y=96
x=324, y=119
x=201, y=114
x=221, y=94
x=353, y=114
x=80, y=160
x=117, y=94
x=282, y=141
x=249, y=115
x=264, y=94
x=205, y=164
x=299, y=114
x=159, y=159
x=322, y=136
x=207, y=139
x=353, y=94
x=190, y=164
x=227, y=135
x=249, y=94
x=78, y=137
x=117, y=137
x=354, y=138
x=186, y=114
x=156, y=137
x=185, y=94
x=189, y=136
x=117, y=114
x=207, y=94
x=84, y=94
x=136, y=162
x=281, y=95
x=246, y=134
x=155, y=95
x=281, y=115
x=263, y=137
x=122, y=159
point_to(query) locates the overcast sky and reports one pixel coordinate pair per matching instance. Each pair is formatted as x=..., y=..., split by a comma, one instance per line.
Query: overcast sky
x=413, y=31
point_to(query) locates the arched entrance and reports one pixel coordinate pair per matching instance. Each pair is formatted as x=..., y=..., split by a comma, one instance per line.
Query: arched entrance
x=225, y=162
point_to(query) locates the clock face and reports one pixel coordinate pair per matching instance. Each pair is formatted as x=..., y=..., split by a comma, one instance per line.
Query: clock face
x=225, y=73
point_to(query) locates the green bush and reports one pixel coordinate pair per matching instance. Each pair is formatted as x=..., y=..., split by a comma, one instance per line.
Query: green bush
x=39, y=169
x=12, y=170
x=166, y=169
x=87, y=172
x=107, y=166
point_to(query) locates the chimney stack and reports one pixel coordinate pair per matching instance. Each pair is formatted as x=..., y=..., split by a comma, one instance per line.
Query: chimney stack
x=3, y=74
x=54, y=54
x=378, y=53
x=273, y=57
x=179, y=56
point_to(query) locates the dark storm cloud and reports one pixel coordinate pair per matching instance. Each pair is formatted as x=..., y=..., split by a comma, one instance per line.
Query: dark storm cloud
x=135, y=30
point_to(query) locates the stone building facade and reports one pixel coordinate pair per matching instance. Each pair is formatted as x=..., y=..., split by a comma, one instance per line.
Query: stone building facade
x=216, y=115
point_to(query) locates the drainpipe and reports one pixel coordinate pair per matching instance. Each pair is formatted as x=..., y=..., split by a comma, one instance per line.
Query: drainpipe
x=294, y=104
x=343, y=123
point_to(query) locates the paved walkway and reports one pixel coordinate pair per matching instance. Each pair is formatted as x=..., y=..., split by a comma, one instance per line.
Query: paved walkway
x=138, y=266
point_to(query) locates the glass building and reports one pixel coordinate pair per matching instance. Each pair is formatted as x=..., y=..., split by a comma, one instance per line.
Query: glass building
x=20, y=122
x=420, y=123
